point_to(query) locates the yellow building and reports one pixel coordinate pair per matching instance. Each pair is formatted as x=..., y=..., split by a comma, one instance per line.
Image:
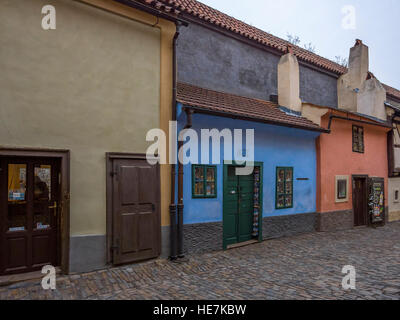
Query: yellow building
x=76, y=103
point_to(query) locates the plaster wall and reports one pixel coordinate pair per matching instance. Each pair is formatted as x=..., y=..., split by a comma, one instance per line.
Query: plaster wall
x=275, y=146
x=336, y=157
x=394, y=205
x=96, y=84
x=209, y=59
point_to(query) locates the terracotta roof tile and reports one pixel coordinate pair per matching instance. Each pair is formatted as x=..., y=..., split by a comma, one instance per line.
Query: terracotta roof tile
x=234, y=105
x=159, y=5
x=220, y=19
x=392, y=91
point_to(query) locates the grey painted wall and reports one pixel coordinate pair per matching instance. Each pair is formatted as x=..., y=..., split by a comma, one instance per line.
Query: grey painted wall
x=211, y=60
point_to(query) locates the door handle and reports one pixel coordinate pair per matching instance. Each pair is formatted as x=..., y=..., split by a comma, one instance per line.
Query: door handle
x=54, y=207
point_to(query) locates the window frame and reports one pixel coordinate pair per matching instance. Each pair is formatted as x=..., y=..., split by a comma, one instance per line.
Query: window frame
x=357, y=150
x=342, y=178
x=204, y=195
x=285, y=194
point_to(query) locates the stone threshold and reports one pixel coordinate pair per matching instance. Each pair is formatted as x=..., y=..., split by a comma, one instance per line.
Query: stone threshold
x=242, y=244
x=22, y=277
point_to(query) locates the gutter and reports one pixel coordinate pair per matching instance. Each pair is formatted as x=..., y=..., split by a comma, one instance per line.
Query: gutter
x=253, y=119
x=356, y=120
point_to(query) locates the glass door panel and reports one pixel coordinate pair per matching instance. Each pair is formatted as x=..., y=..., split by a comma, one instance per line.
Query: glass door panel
x=17, y=198
x=42, y=196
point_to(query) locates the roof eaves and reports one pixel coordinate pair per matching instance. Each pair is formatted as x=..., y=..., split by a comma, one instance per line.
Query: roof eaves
x=234, y=115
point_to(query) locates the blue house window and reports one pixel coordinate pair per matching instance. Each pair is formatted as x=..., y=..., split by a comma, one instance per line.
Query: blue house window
x=204, y=181
x=284, y=188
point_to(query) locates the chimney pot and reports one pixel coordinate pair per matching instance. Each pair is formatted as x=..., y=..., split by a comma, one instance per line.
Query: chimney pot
x=358, y=42
x=273, y=98
x=289, y=49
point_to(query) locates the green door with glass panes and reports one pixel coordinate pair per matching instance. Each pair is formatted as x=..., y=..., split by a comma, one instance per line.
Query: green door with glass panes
x=242, y=216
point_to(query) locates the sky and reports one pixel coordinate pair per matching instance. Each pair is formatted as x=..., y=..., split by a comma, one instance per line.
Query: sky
x=332, y=26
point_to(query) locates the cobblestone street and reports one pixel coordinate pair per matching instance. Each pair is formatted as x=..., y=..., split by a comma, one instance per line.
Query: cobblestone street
x=301, y=267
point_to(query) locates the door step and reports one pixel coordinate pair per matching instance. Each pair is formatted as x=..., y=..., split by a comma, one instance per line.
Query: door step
x=22, y=277
x=241, y=244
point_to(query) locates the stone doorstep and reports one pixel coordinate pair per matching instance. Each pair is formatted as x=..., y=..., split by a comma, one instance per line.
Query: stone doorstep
x=242, y=244
x=22, y=277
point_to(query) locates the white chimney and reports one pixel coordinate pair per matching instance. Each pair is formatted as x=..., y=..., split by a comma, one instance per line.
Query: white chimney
x=358, y=65
x=289, y=82
x=358, y=90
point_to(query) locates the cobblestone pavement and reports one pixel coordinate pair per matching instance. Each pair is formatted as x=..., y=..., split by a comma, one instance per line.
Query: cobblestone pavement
x=302, y=267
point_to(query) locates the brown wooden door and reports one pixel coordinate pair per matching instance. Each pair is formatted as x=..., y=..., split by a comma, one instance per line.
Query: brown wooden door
x=360, y=201
x=29, y=199
x=136, y=211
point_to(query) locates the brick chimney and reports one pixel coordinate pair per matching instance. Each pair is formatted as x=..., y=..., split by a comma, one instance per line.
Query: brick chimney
x=289, y=81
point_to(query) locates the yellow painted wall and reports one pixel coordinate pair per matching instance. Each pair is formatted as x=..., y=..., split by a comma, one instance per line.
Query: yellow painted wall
x=96, y=84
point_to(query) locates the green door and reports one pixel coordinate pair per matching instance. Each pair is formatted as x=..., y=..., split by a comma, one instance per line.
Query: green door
x=239, y=207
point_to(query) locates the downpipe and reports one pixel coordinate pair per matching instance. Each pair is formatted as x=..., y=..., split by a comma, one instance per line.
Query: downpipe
x=188, y=125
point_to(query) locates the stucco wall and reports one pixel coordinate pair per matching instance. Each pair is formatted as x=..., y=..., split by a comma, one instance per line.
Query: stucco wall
x=394, y=206
x=211, y=60
x=274, y=146
x=336, y=157
x=91, y=86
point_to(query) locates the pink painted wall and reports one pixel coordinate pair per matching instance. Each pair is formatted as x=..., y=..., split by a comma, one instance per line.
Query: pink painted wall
x=335, y=156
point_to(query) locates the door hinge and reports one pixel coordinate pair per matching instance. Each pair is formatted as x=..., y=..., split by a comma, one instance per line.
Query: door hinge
x=113, y=173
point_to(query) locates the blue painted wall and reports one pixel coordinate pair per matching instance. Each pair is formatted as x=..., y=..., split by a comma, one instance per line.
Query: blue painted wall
x=275, y=146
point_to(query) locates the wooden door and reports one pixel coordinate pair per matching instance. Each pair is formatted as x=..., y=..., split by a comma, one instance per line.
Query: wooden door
x=246, y=207
x=238, y=207
x=136, y=211
x=360, y=201
x=231, y=208
x=29, y=202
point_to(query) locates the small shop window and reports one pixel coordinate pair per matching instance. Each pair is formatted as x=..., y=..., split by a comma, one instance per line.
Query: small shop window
x=358, y=139
x=204, y=181
x=284, y=188
x=341, y=188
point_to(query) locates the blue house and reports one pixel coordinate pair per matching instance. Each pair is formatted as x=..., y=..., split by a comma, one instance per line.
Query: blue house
x=223, y=209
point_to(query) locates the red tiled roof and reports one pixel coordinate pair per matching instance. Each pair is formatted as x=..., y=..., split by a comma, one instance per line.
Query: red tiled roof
x=246, y=108
x=159, y=5
x=222, y=20
x=392, y=91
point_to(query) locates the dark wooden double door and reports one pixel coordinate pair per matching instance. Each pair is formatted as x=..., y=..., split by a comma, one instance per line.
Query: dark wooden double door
x=136, y=222
x=29, y=214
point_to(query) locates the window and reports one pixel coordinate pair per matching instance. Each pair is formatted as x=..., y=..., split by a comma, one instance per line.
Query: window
x=341, y=189
x=284, y=188
x=204, y=181
x=396, y=196
x=358, y=139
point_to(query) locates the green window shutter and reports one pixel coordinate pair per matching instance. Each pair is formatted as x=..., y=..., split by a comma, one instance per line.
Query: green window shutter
x=204, y=181
x=284, y=188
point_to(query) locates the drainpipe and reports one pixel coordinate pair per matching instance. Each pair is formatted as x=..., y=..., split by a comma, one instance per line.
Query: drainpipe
x=173, y=208
x=188, y=125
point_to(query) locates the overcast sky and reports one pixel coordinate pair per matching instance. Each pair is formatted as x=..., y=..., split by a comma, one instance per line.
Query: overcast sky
x=322, y=22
